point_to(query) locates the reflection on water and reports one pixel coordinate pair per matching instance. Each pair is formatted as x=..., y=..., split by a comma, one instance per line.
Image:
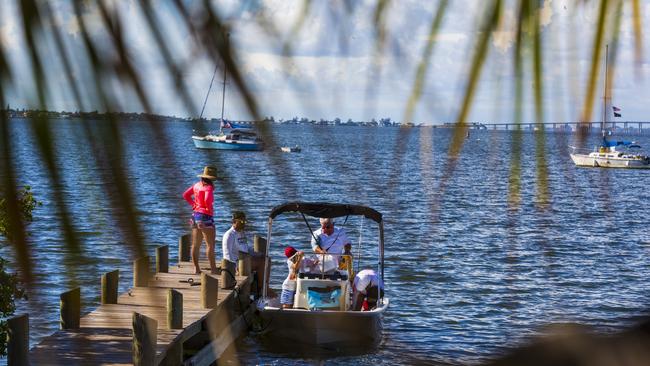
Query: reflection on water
x=467, y=276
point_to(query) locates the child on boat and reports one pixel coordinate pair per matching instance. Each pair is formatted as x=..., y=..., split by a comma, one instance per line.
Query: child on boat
x=294, y=258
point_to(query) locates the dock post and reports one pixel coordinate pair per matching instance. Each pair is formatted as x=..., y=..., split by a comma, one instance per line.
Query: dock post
x=259, y=244
x=110, y=282
x=141, y=272
x=18, y=340
x=71, y=309
x=209, y=291
x=228, y=279
x=144, y=340
x=184, y=246
x=245, y=265
x=162, y=259
x=174, y=309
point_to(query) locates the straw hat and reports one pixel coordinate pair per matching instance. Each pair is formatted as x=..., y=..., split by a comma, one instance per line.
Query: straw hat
x=209, y=172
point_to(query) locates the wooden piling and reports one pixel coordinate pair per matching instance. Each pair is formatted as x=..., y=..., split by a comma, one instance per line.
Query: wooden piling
x=184, y=246
x=71, y=309
x=110, y=283
x=209, y=290
x=174, y=309
x=228, y=280
x=144, y=340
x=162, y=259
x=141, y=272
x=18, y=340
x=244, y=265
x=259, y=244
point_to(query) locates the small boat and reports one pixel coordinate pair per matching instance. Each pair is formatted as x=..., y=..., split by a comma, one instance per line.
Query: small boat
x=289, y=149
x=606, y=156
x=334, y=325
x=235, y=139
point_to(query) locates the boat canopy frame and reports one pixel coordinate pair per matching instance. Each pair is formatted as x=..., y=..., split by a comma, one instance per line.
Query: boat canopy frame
x=326, y=210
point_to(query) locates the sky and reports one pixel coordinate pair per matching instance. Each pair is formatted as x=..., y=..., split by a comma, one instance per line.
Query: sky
x=336, y=69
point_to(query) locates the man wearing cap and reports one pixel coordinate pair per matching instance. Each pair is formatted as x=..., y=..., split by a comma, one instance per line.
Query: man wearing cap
x=235, y=244
x=235, y=240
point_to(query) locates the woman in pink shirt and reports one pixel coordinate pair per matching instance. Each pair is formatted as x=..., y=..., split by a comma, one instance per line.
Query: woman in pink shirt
x=201, y=197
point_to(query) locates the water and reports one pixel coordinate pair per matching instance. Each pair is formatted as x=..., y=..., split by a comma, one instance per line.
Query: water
x=467, y=276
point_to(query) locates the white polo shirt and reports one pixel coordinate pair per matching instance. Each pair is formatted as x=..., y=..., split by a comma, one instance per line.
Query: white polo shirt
x=334, y=243
x=232, y=243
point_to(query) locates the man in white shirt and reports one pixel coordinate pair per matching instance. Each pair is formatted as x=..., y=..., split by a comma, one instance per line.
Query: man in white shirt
x=235, y=244
x=235, y=240
x=367, y=286
x=329, y=239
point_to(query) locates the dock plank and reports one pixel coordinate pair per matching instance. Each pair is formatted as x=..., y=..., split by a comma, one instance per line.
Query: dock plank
x=105, y=336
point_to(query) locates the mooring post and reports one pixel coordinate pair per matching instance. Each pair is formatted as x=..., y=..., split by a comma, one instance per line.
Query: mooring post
x=145, y=333
x=18, y=340
x=141, y=272
x=110, y=282
x=259, y=244
x=71, y=309
x=209, y=291
x=228, y=280
x=184, y=246
x=244, y=265
x=174, y=309
x=162, y=259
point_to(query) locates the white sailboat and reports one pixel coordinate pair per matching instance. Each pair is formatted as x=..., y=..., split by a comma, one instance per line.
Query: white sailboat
x=228, y=138
x=607, y=154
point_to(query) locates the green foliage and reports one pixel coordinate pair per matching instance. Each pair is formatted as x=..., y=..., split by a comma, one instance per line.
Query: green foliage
x=10, y=289
x=27, y=203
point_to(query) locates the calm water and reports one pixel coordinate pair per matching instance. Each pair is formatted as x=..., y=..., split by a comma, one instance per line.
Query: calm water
x=467, y=276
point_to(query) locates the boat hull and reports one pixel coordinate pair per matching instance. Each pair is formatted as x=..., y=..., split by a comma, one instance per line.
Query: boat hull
x=599, y=162
x=201, y=143
x=327, y=329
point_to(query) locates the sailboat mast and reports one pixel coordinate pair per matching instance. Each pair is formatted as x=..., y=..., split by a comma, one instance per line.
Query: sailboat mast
x=223, y=95
x=604, y=124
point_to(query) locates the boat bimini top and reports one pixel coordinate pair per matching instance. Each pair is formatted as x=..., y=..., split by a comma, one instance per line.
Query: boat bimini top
x=327, y=210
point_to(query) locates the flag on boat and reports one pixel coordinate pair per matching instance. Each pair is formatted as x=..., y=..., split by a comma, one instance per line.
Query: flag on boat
x=616, y=109
x=225, y=124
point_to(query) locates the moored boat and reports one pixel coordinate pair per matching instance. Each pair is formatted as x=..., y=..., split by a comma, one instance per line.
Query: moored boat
x=290, y=149
x=607, y=156
x=332, y=323
x=235, y=139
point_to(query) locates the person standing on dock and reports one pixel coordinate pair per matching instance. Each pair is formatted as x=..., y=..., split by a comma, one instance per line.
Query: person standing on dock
x=201, y=197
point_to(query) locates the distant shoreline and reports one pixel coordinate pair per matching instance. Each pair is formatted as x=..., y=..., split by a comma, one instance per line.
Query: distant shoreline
x=337, y=122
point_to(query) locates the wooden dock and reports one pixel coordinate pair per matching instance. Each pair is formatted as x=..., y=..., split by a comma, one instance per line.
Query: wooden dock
x=170, y=317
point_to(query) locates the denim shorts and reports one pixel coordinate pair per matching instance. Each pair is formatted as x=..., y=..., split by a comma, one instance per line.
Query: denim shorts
x=202, y=221
x=287, y=297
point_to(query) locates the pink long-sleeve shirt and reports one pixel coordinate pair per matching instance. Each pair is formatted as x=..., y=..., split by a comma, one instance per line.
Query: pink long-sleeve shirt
x=203, y=198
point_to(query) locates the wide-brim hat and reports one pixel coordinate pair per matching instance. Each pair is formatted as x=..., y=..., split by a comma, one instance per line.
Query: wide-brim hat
x=209, y=172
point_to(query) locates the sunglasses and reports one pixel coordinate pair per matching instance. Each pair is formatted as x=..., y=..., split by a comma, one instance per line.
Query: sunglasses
x=240, y=220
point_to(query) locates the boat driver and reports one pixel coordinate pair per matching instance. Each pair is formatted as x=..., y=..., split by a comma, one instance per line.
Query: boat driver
x=329, y=239
x=367, y=289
